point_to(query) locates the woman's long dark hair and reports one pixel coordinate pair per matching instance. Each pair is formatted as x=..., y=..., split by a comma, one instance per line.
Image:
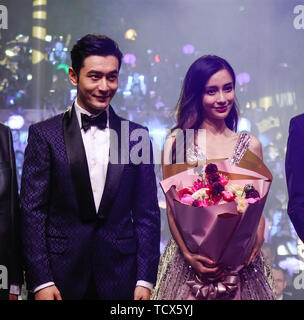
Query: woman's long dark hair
x=189, y=109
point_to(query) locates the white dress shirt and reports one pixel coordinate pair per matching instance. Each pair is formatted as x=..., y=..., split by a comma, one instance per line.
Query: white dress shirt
x=97, y=147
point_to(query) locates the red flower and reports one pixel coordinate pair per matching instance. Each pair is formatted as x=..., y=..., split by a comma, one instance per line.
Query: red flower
x=184, y=191
x=228, y=196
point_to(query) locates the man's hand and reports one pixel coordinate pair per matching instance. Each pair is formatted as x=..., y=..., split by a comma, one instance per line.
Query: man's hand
x=141, y=293
x=48, y=293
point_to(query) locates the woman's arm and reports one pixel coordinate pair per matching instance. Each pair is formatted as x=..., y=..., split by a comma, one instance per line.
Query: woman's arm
x=256, y=147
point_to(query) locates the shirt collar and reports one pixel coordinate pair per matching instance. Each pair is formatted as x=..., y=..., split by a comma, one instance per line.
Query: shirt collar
x=79, y=110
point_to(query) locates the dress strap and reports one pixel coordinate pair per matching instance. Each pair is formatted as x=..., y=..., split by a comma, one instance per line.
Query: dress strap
x=241, y=146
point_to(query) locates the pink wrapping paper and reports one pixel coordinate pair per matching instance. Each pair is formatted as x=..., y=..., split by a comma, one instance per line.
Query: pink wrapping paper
x=219, y=232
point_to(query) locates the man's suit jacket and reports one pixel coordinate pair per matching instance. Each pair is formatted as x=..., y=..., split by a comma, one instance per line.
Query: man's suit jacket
x=294, y=166
x=10, y=242
x=65, y=240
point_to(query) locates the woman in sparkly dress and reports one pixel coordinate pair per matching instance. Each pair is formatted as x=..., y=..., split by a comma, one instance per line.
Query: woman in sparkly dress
x=207, y=101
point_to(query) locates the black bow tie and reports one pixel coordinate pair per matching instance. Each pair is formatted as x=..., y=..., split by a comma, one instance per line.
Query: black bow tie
x=100, y=121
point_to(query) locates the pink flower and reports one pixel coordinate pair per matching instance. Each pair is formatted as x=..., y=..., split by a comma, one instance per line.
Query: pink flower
x=187, y=199
x=228, y=196
x=223, y=180
x=252, y=200
x=198, y=184
x=204, y=203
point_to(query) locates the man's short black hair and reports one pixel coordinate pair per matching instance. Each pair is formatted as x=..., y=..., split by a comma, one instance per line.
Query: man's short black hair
x=93, y=44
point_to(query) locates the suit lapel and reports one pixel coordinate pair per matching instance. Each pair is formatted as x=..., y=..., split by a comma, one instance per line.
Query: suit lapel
x=115, y=170
x=78, y=166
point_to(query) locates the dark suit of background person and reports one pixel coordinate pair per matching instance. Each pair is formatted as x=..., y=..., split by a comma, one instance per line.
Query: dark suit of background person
x=69, y=242
x=10, y=249
x=294, y=166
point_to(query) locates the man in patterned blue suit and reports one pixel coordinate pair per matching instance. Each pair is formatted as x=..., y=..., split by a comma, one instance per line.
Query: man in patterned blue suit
x=90, y=217
x=294, y=166
x=11, y=275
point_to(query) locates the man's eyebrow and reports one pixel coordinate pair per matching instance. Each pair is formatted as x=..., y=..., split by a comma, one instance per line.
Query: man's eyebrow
x=100, y=73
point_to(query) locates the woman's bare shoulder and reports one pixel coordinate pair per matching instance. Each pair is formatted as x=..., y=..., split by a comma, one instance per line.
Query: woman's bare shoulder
x=255, y=146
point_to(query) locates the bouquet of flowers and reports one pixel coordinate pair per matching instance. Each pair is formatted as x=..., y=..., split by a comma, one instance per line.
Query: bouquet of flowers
x=217, y=209
x=214, y=188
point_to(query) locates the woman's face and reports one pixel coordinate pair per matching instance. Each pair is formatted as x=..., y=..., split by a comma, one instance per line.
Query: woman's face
x=218, y=97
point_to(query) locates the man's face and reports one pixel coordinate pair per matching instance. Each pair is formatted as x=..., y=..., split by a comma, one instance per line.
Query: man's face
x=97, y=82
x=279, y=282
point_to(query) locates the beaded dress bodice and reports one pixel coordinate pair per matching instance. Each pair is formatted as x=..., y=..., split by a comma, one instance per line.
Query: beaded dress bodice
x=195, y=155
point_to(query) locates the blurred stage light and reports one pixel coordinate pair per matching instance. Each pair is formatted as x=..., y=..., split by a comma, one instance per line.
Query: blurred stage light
x=265, y=141
x=73, y=94
x=265, y=102
x=152, y=94
x=291, y=264
x=129, y=58
x=130, y=34
x=127, y=93
x=282, y=251
x=29, y=77
x=15, y=122
x=48, y=38
x=188, y=49
x=244, y=125
x=156, y=58
x=19, y=94
x=22, y=39
x=10, y=53
x=162, y=204
x=285, y=99
x=268, y=123
x=63, y=66
x=159, y=104
x=243, y=78
x=300, y=248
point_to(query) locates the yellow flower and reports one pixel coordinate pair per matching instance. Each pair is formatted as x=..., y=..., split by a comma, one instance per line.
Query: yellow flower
x=241, y=204
x=235, y=189
x=222, y=202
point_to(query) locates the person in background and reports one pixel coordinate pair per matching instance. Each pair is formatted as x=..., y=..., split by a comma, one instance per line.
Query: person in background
x=280, y=283
x=295, y=173
x=10, y=241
